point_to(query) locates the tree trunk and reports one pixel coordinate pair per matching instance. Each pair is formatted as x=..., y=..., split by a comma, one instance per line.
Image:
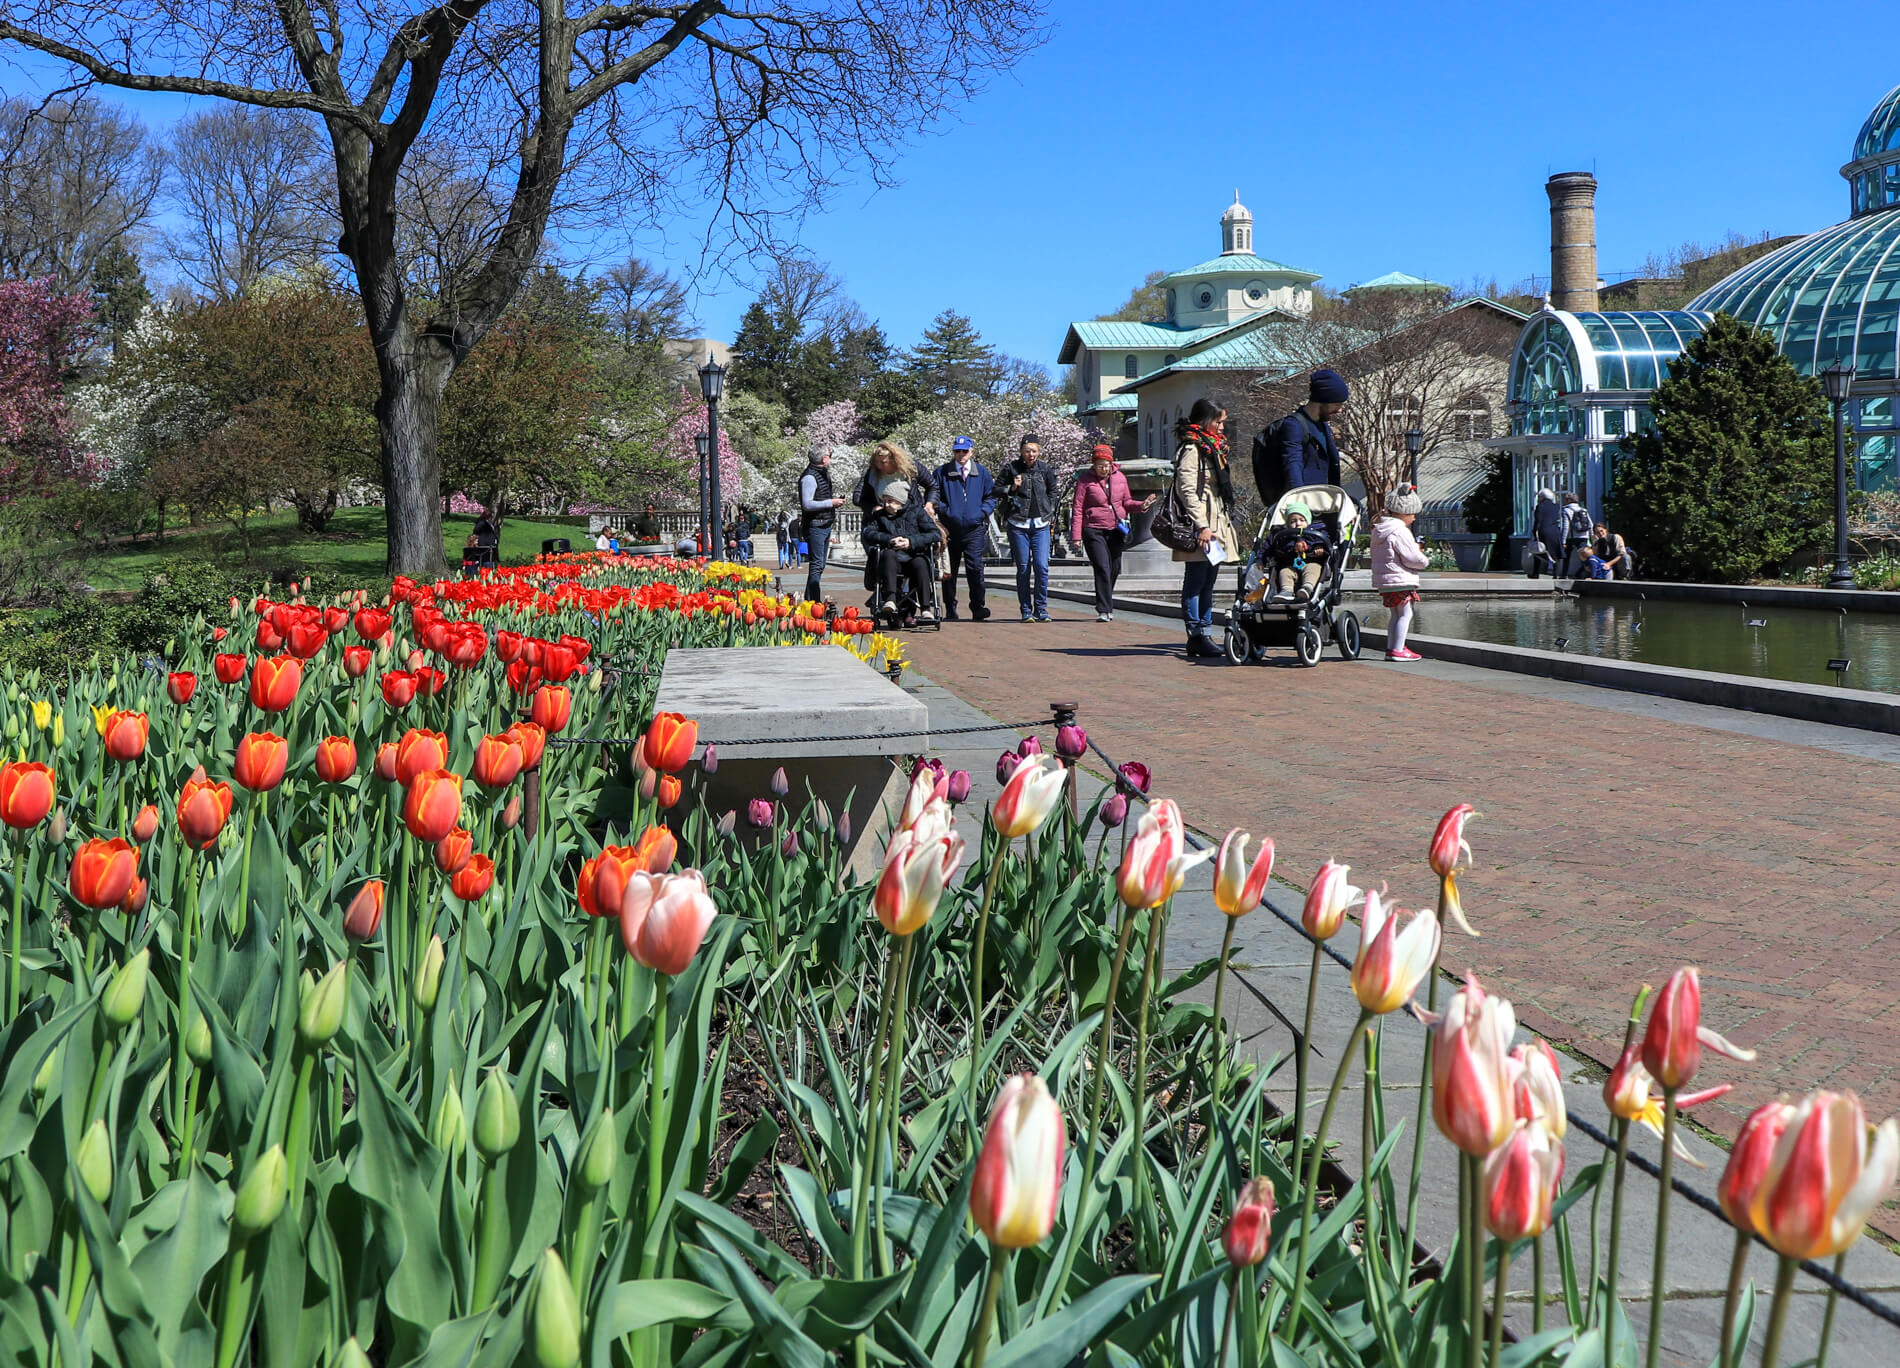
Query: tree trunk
x=407, y=406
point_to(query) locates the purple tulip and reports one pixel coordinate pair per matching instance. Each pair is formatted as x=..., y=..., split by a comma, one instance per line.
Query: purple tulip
x=1006, y=765
x=759, y=813
x=1115, y=811
x=1072, y=743
x=780, y=784
x=1030, y=746
x=789, y=847
x=959, y=787
x=933, y=767
x=820, y=815
x=844, y=828
x=1136, y=776
x=709, y=762
x=725, y=825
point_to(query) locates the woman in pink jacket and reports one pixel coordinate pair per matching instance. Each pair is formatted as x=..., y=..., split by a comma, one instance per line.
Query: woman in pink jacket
x=1396, y=560
x=1102, y=505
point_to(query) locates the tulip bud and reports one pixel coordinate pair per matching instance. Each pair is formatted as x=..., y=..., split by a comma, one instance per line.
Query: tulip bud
x=709, y=762
x=820, y=815
x=1251, y=1225
x=844, y=828
x=789, y=846
x=599, y=1148
x=1115, y=811
x=198, y=1039
x=759, y=813
x=265, y=1190
x=145, y=824
x=351, y=1355
x=92, y=1161
x=1072, y=742
x=726, y=825
x=125, y=995
x=56, y=828
x=365, y=912
x=780, y=784
x=957, y=790
x=450, y=1131
x=44, y=1078
x=429, y=974
x=497, y=1117
x=555, y=1315
x=323, y=1003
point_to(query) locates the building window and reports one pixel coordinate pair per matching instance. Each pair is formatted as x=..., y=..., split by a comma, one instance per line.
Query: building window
x=1128, y=367
x=1169, y=360
x=1471, y=418
x=1614, y=423
x=1402, y=413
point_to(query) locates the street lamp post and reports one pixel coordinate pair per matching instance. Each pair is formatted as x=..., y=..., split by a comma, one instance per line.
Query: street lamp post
x=1838, y=381
x=701, y=444
x=712, y=383
x=1414, y=443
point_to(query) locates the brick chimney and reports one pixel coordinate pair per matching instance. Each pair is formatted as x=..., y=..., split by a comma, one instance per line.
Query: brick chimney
x=1573, y=241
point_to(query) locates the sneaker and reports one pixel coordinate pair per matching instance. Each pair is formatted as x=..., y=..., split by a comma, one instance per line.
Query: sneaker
x=1403, y=654
x=1280, y=596
x=1042, y=617
x=1104, y=617
x=979, y=615
x=1027, y=618
x=950, y=615
x=889, y=608
x=927, y=616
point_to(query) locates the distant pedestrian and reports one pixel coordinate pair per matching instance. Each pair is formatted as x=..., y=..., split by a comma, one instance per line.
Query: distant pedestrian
x=1299, y=450
x=1396, y=560
x=820, y=509
x=1099, y=521
x=1614, y=552
x=1577, y=525
x=1204, y=485
x=1031, y=488
x=969, y=496
x=1547, y=535
x=600, y=542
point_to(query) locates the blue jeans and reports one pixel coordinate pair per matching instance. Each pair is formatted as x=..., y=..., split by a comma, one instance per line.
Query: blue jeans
x=1029, y=548
x=819, y=539
x=1197, y=596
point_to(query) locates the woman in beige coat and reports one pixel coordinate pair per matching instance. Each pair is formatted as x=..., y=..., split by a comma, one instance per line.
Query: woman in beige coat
x=1204, y=484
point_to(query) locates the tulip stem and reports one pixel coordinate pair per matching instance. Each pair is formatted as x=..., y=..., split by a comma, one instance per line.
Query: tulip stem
x=1611, y=1301
x=1227, y=1325
x=1414, y=1182
x=872, y=1138
x=893, y=1093
x=1308, y=1197
x=243, y=908
x=1827, y=1318
x=1737, y=1270
x=1157, y=938
x=1497, y=1305
x=1299, y=1061
x=1778, y=1313
x=297, y=1142
x=1220, y=1022
x=976, y=977
x=13, y=926
x=986, y=1318
x=656, y=1128
x=234, y=1316
x=1537, y=1284
x=1473, y=1289
x=1663, y=1192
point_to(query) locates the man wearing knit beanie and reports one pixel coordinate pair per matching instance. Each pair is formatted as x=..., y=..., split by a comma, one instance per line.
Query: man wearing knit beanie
x=1299, y=449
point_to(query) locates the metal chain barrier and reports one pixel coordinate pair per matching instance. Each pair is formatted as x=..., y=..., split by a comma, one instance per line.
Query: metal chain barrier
x=807, y=740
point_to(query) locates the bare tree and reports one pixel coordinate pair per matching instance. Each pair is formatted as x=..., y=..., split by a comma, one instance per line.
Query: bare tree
x=744, y=113
x=644, y=305
x=76, y=176
x=247, y=188
x=803, y=295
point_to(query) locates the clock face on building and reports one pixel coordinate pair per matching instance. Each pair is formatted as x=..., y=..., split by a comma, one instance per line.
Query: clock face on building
x=1256, y=292
x=1204, y=296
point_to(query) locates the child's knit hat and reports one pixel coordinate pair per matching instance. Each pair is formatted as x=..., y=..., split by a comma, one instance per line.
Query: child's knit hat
x=1403, y=500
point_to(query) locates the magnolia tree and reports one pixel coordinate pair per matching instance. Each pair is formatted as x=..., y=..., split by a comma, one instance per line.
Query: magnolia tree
x=41, y=337
x=996, y=425
x=679, y=480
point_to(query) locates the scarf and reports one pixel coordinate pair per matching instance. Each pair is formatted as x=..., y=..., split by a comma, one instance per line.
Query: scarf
x=1214, y=444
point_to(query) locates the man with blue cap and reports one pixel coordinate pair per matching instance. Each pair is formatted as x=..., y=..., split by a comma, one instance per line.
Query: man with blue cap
x=1299, y=449
x=969, y=497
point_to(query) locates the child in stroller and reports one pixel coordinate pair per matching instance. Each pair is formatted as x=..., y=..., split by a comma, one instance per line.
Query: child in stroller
x=899, y=537
x=1296, y=550
x=1309, y=607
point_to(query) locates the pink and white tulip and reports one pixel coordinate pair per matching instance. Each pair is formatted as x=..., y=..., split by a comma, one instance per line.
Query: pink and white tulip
x=1238, y=886
x=1391, y=963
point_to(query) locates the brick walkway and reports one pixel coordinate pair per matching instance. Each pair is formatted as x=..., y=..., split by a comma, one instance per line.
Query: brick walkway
x=1612, y=848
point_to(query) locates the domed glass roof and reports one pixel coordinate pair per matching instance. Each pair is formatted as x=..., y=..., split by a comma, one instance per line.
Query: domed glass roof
x=1834, y=296
x=1881, y=132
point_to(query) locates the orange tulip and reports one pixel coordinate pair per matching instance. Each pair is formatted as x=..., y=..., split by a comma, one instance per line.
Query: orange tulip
x=27, y=792
x=433, y=805
x=1018, y=1183
x=135, y=897
x=365, y=912
x=667, y=791
x=274, y=682
x=336, y=759
x=1672, y=1046
x=532, y=737
x=664, y=918
x=670, y=742
x=452, y=852
x=473, y=879
x=386, y=761
x=1828, y=1172
x=420, y=752
x=497, y=760
x=125, y=735
x=552, y=706
x=203, y=809
x=102, y=872
x=145, y=825
x=259, y=764
x=656, y=849
x=604, y=878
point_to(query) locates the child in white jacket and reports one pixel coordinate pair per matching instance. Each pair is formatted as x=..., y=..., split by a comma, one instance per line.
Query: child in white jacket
x=1396, y=561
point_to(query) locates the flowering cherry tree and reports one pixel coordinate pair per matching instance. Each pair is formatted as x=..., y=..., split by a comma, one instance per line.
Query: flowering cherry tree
x=41, y=337
x=680, y=484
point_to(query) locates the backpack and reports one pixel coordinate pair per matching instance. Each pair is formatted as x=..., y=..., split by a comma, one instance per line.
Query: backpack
x=1578, y=525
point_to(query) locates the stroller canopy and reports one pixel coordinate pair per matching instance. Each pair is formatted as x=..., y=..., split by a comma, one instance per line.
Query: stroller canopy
x=1320, y=500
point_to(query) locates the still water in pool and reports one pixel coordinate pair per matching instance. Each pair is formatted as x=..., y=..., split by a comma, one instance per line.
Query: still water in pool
x=1771, y=643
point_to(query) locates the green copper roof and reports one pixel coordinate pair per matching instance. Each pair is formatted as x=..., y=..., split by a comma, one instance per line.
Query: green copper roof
x=1118, y=336
x=1398, y=280
x=1241, y=263
x=1116, y=402
x=1258, y=350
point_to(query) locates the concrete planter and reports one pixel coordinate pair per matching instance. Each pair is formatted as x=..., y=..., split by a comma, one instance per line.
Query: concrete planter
x=1472, y=550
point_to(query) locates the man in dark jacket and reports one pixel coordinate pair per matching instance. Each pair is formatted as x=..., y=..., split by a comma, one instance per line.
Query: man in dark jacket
x=902, y=534
x=968, y=497
x=1299, y=449
x=1547, y=535
x=1030, y=486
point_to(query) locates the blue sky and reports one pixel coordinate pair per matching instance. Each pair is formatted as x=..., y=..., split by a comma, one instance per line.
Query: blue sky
x=1365, y=137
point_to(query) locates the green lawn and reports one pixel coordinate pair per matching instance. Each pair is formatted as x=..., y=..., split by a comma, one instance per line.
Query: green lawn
x=352, y=547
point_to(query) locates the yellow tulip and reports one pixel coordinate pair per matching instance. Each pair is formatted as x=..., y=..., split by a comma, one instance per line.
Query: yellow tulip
x=99, y=716
x=42, y=714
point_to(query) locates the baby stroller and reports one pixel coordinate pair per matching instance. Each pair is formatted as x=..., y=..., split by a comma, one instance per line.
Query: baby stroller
x=1259, y=621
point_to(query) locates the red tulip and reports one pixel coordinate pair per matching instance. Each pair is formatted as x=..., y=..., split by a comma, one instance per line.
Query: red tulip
x=336, y=759
x=305, y=639
x=145, y=825
x=670, y=742
x=507, y=646
x=1018, y=1182
x=558, y=663
x=580, y=646
x=452, y=852
x=228, y=668
x=335, y=620
x=1327, y=901
x=135, y=897
x=181, y=685
x=1827, y=1173
x=1472, y=1096
x=260, y=761
x=386, y=761
x=102, y=872
x=1521, y=1178
x=357, y=660
x=664, y=918
x=1238, y=886
x=552, y=707
x=203, y=809
x=372, y=623
x=418, y=752
x=473, y=879
x=365, y=912
x=1449, y=854
x=1672, y=1046
x=1748, y=1161
x=1251, y=1225
x=429, y=680
x=465, y=646
x=667, y=793
x=523, y=676
x=399, y=688
x=533, y=739
x=125, y=735
x=27, y=792
x=497, y=760
x=268, y=637
x=433, y=805
x=274, y=682
x=656, y=850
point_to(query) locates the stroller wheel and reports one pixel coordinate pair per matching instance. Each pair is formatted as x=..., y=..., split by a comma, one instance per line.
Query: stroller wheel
x=1346, y=636
x=1238, y=648
x=1309, y=645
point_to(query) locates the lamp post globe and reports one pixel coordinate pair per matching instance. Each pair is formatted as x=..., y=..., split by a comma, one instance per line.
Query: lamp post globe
x=701, y=444
x=712, y=384
x=1414, y=443
x=1838, y=383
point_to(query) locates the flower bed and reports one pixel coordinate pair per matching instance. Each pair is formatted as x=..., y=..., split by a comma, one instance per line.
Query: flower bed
x=355, y=1017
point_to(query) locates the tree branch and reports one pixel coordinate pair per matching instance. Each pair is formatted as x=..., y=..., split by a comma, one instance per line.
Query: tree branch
x=630, y=69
